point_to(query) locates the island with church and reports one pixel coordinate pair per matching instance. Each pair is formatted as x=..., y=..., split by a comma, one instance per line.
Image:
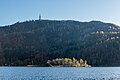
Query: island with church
x=67, y=62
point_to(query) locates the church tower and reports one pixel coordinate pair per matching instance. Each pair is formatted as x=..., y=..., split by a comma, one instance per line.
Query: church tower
x=39, y=17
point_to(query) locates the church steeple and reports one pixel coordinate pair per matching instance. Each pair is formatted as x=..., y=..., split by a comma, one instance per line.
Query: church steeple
x=39, y=17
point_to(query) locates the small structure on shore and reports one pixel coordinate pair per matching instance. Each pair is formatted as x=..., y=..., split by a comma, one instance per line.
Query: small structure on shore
x=67, y=62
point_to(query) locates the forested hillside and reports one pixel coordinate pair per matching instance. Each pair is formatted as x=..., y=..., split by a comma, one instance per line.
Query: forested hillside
x=34, y=42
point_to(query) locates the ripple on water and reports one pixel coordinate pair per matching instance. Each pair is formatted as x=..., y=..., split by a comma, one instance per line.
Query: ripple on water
x=40, y=73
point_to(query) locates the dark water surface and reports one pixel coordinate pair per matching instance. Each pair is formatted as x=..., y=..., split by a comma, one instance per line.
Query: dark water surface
x=61, y=73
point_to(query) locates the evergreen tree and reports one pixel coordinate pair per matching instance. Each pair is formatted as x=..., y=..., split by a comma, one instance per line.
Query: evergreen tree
x=1, y=55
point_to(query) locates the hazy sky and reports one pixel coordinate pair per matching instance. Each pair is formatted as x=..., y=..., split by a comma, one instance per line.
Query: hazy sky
x=12, y=11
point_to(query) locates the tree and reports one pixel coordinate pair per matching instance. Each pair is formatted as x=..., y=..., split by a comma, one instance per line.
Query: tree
x=81, y=62
x=1, y=55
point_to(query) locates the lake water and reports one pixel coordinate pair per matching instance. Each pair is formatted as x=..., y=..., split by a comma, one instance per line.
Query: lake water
x=61, y=73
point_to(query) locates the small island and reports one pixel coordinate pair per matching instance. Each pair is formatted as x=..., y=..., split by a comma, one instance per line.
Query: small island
x=67, y=62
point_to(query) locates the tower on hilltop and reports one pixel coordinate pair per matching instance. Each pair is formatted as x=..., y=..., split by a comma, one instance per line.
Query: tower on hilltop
x=39, y=17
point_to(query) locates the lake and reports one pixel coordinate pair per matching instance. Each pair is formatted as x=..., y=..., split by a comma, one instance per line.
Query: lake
x=59, y=73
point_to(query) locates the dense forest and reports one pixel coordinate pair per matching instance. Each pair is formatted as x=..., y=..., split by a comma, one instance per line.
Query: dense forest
x=37, y=41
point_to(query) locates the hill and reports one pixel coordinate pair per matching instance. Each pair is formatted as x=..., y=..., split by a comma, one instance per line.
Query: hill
x=36, y=41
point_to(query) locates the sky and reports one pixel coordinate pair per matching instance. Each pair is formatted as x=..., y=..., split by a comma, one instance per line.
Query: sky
x=12, y=11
